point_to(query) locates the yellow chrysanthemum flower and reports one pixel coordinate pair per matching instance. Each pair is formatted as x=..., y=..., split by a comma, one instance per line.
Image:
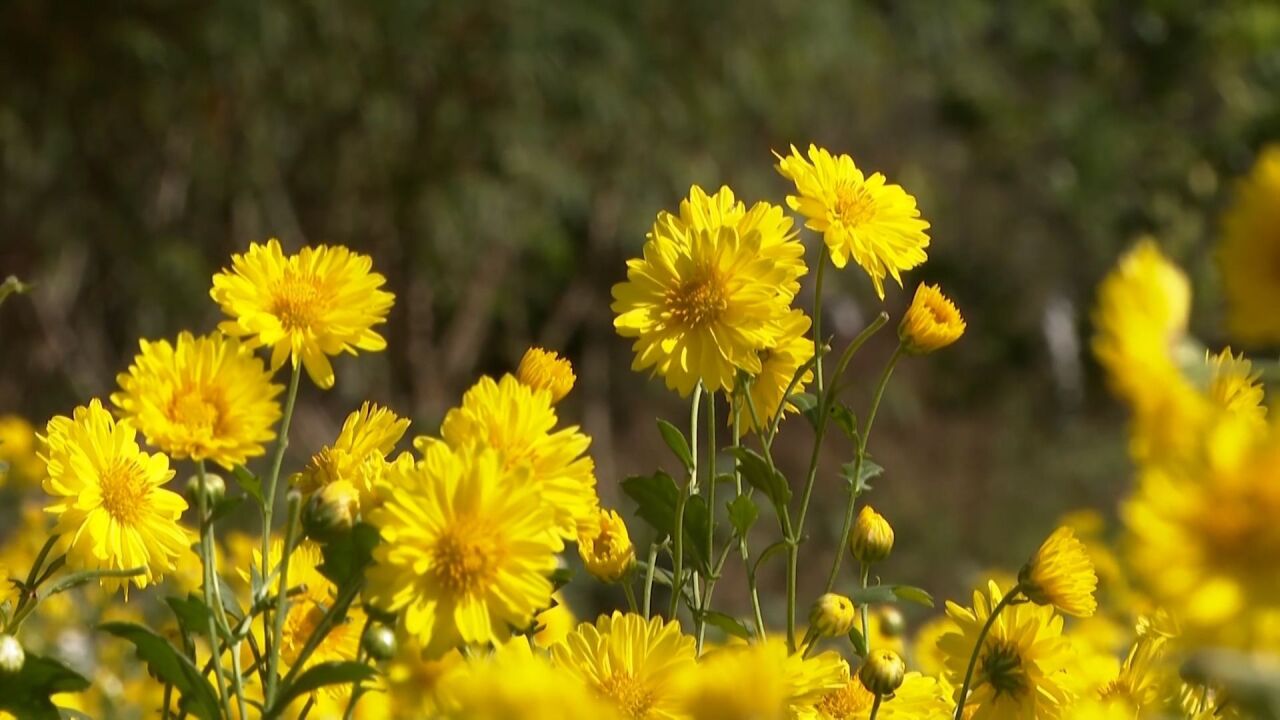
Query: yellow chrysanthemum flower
x=635, y=664
x=1144, y=683
x=111, y=510
x=925, y=653
x=518, y=683
x=701, y=306
x=1250, y=253
x=778, y=241
x=762, y=682
x=545, y=370
x=204, y=398
x=519, y=424
x=1061, y=574
x=1023, y=666
x=358, y=456
x=1234, y=386
x=320, y=302
x=865, y=218
x=778, y=365
x=918, y=698
x=412, y=679
x=931, y=323
x=555, y=623
x=607, y=553
x=467, y=548
x=20, y=463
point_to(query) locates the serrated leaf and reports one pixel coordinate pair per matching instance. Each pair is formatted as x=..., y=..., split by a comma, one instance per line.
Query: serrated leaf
x=193, y=615
x=807, y=404
x=318, y=676
x=859, y=642
x=743, y=513
x=346, y=555
x=248, y=482
x=847, y=421
x=170, y=666
x=697, y=526
x=757, y=472
x=675, y=440
x=27, y=692
x=729, y=624
x=655, y=497
x=869, y=471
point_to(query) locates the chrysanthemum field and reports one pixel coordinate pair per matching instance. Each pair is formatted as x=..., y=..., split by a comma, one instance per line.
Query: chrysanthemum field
x=410, y=569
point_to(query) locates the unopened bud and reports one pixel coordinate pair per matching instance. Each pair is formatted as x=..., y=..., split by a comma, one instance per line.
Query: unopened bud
x=871, y=540
x=832, y=615
x=331, y=509
x=12, y=657
x=379, y=642
x=214, y=490
x=891, y=622
x=607, y=552
x=882, y=672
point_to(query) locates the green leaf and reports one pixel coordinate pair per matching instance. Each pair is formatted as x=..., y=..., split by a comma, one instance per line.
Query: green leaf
x=170, y=666
x=729, y=624
x=346, y=555
x=661, y=575
x=870, y=470
x=561, y=577
x=225, y=507
x=248, y=482
x=26, y=692
x=655, y=497
x=742, y=514
x=881, y=594
x=318, y=676
x=807, y=404
x=847, y=421
x=193, y=615
x=697, y=525
x=677, y=442
x=756, y=470
x=859, y=642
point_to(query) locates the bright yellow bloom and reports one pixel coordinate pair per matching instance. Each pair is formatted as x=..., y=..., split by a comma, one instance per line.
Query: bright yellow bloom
x=1249, y=253
x=112, y=512
x=20, y=464
x=1061, y=574
x=204, y=398
x=320, y=302
x=635, y=664
x=607, y=553
x=519, y=424
x=778, y=241
x=701, y=306
x=762, y=682
x=873, y=221
x=358, y=456
x=546, y=370
x=1145, y=682
x=1023, y=666
x=466, y=551
x=517, y=683
x=778, y=365
x=919, y=698
x=555, y=623
x=1234, y=386
x=931, y=323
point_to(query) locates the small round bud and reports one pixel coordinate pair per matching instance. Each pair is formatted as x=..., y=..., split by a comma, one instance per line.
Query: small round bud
x=12, y=657
x=379, y=642
x=214, y=489
x=891, y=622
x=607, y=551
x=882, y=672
x=546, y=370
x=871, y=539
x=331, y=509
x=932, y=322
x=832, y=615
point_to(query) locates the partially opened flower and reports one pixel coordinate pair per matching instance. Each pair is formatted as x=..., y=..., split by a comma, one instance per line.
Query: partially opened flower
x=607, y=552
x=861, y=217
x=1062, y=575
x=305, y=307
x=778, y=365
x=931, y=323
x=358, y=456
x=545, y=370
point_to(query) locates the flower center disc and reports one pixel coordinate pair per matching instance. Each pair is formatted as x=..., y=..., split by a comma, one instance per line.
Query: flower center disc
x=1002, y=666
x=629, y=694
x=466, y=558
x=123, y=491
x=698, y=303
x=854, y=205
x=191, y=409
x=298, y=302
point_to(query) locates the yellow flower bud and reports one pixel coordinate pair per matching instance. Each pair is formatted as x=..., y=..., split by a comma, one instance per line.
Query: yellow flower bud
x=832, y=615
x=607, y=553
x=332, y=508
x=882, y=672
x=932, y=322
x=871, y=540
x=545, y=370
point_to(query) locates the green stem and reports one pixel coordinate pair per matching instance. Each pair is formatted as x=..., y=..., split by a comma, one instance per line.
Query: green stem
x=817, y=321
x=711, y=510
x=339, y=608
x=630, y=593
x=875, y=707
x=677, y=560
x=357, y=688
x=269, y=492
x=977, y=648
x=206, y=550
x=648, y=578
x=209, y=556
x=743, y=548
x=866, y=621
x=863, y=436
x=282, y=599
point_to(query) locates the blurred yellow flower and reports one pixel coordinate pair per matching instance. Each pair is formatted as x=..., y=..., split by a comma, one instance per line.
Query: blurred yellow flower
x=1249, y=253
x=555, y=623
x=322, y=301
x=865, y=218
x=762, y=682
x=358, y=456
x=778, y=365
x=545, y=370
x=1061, y=574
x=637, y=665
x=1145, y=683
x=520, y=425
x=931, y=322
x=1023, y=665
x=204, y=398
x=925, y=653
x=701, y=306
x=608, y=553
x=1234, y=385
x=20, y=464
x=918, y=698
x=111, y=510
x=466, y=550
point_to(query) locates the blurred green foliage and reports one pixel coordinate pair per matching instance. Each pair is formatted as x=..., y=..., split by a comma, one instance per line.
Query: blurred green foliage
x=501, y=160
